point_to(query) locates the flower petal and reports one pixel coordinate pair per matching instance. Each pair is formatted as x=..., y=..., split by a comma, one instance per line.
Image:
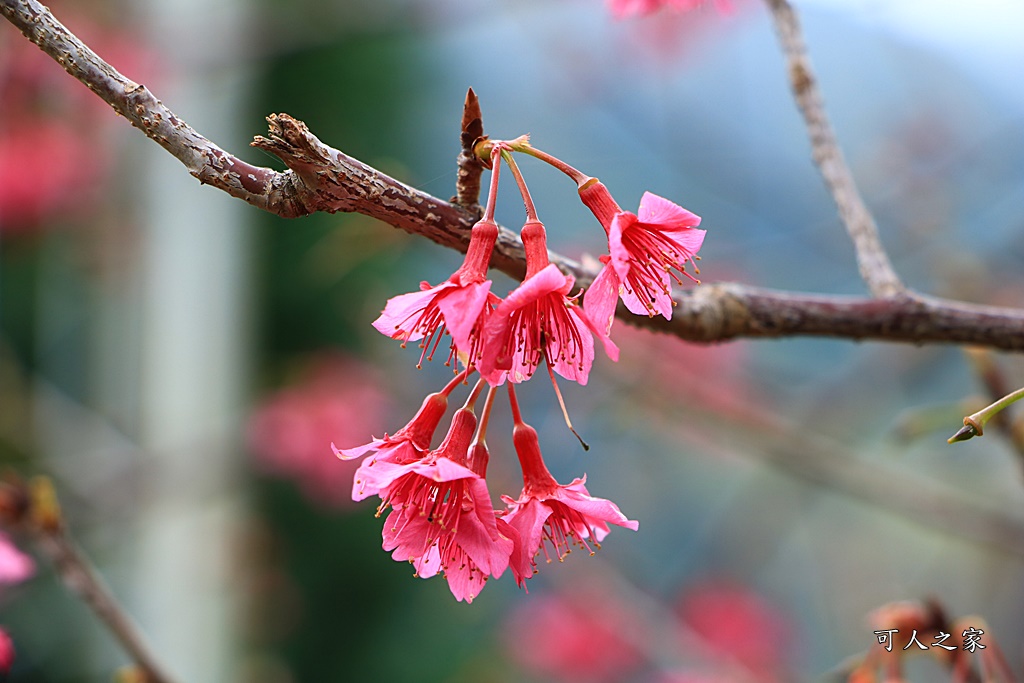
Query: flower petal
x=665, y=214
x=600, y=299
x=401, y=315
x=462, y=308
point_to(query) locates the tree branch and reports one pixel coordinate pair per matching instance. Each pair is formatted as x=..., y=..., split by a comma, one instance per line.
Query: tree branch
x=81, y=578
x=874, y=265
x=321, y=178
x=32, y=507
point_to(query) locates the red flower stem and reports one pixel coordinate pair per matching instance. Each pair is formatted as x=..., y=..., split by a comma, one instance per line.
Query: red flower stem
x=474, y=395
x=531, y=210
x=485, y=416
x=456, y=381
x=578, y=176
x=492, y=192
x=514, y=404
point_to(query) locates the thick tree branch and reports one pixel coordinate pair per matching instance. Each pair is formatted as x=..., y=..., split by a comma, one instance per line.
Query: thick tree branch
x=320, y=178
x=874, y=265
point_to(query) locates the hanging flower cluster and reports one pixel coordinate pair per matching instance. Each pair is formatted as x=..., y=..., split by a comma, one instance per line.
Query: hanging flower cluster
x=442, y=518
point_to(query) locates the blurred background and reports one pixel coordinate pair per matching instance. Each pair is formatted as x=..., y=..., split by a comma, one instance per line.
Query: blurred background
x=180, y=362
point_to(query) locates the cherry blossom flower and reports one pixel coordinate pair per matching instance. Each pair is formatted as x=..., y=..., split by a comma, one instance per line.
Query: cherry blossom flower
x=442, y=518
x=622, y=9
x=288, y=432
x=644, y=250
x=539, y=320
x=6, y=652
x=459, y=305
x=584, y=634
x=737, y=625
x=549, y=513
x=15, y=566
x=411, y=443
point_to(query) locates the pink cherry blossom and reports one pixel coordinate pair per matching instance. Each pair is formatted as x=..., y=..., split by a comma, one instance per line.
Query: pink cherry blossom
x=15, y=566
x=334, y=397
x=539, y=320
x=408, y=444
x=549, y=513
x=584, y=634
x=736, y=624
x=6, y=652
x=644, y=250
x=622, y=9
x=442, y=518
x=459, y=305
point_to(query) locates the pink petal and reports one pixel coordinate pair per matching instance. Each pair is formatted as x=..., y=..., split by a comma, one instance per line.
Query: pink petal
x=462, y=308
x=465, y=581
x=609, y=346
x=400, y=315
x=689, y=239
x=358, y=451
x=528, y=518
x=442, y=469
x=15, y=566
x=622, y=9
x=662, y=302
x=375, y=475
x=499, y=324
x=655, y=210
x=621, y=258
x=595, y=510
x=578, y=369
x=548, y=280
x=519, y=561
x=600, y=300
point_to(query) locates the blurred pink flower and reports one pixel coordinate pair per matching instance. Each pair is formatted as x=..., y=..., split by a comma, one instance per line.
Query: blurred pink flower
x=6, y=652
x=15, y=566
x=50, y=168
x=740, y=625
x=45, y=169
x=336, y=399
x=622, y=9
x=581, y=635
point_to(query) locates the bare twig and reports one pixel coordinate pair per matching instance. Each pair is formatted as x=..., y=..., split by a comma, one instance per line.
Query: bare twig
x=321, y=178
x=997, y=385
x=874, y=265
x=33, y=508
x=80, y=577
x=467, y=185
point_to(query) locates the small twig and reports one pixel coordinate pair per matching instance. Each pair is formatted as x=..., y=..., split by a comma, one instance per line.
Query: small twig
x=997, y=385
x=33, y=508
x=80, y=577
x=874, y=265
x=467, y=185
